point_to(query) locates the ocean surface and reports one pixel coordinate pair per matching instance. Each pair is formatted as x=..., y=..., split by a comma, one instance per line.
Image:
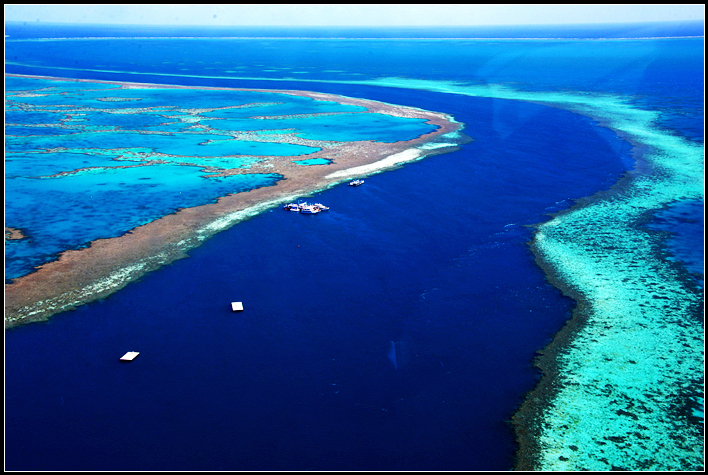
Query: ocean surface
x=398, y=330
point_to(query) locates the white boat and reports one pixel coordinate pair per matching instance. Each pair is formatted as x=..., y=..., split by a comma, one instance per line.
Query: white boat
x=309, y=209
x=303, y=207
x=356, y=182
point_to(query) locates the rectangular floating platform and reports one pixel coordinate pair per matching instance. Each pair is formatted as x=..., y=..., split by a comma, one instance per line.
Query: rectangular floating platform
x=236, y=306
x=129, y=356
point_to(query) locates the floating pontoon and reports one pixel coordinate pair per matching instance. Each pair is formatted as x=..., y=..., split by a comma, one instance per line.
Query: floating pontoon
x=129, y=356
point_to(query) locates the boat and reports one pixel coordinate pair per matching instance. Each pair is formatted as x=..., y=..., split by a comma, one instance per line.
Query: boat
x=356, y=182
x=309, y=209
x=303, y=207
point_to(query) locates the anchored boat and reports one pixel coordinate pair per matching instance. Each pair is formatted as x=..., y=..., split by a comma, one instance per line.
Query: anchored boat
x=303, y=207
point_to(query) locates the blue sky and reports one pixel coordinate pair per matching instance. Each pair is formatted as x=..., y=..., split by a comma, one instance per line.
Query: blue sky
x=351, y=15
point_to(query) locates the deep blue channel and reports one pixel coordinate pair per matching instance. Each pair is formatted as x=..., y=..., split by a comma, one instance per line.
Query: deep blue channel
x=432, y=257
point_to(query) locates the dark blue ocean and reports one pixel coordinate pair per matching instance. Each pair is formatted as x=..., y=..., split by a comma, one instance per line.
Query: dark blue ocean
x=430, y=261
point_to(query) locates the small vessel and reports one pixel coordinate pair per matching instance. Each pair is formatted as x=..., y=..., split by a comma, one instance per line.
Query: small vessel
x=303, y=207
x=309, y=209
x=356, y=182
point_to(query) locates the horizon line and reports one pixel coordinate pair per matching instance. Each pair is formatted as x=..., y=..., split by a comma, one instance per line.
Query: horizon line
x=591, y=24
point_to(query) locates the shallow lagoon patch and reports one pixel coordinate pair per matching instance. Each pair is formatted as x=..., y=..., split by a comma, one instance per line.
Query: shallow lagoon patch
x=102, y=204
x=313, y=161
x=83, y=93
x=182, y=144
x=126, y=121
x=15, y=116
x=29, y=131
x=16, y=84
x=339, y=127
x=242, y=161
x=686, y=221
x=290, y=105
x=33, y=164
x=245, y=147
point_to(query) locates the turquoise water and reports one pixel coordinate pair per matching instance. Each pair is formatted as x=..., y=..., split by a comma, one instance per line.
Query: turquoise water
x=313, y=161
x=31, y=164
x=26, y=117
x=128, y=121
x=222, y=146
x=70, y=154
x=102, y=204
x=685, y=222
x=291, y=105
x=185, y=145
x=30, y=131
x=344, y=127
x=49, y=86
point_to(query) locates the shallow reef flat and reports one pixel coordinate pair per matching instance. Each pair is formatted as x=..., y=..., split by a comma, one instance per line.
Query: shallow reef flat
x=624, y=386
x=626, y=371
x=173, y=134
